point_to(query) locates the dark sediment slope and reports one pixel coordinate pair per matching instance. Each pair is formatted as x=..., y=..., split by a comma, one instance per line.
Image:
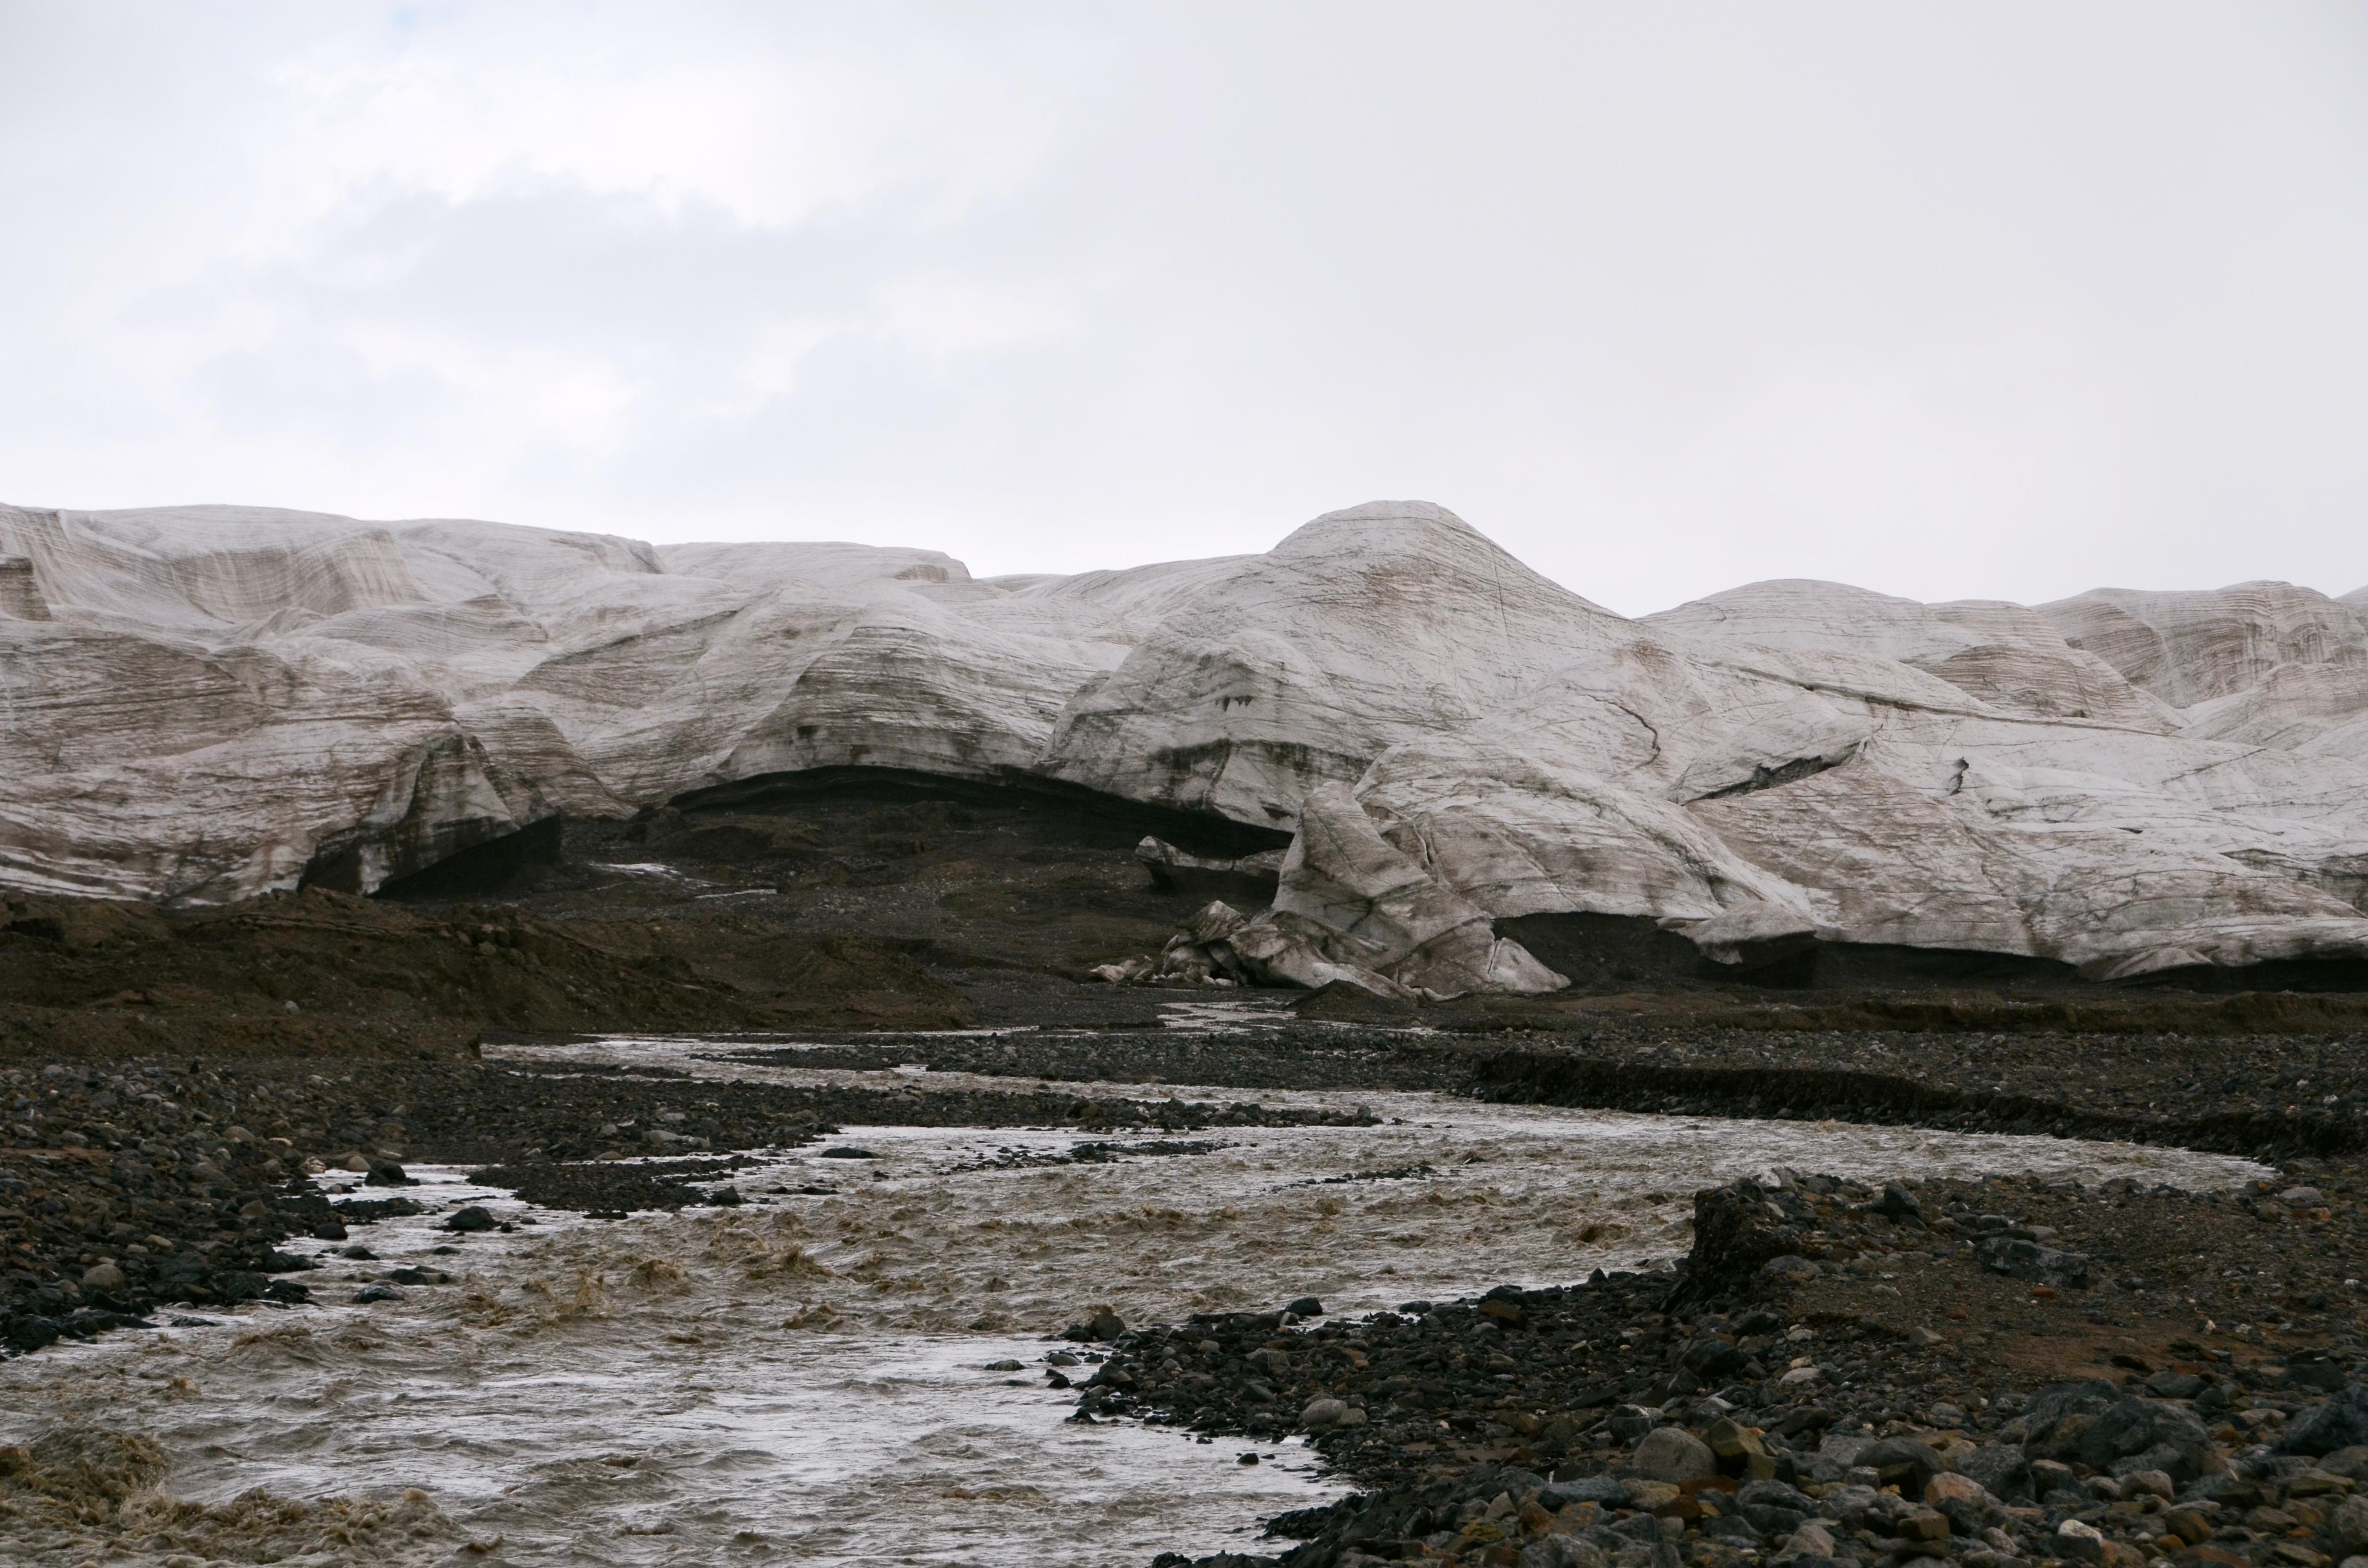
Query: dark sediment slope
x=329, y=972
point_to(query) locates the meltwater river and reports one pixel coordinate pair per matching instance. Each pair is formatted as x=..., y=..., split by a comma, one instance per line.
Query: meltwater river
x=821, y=1377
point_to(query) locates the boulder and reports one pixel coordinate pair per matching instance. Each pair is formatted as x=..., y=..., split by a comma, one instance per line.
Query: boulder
x=2337, y=1421
x=1904, y=1463
x=2001, y=1468
x=2022, y=1258
x=2097, y=1425
x=1323, y=1414
x=1673, y=1455
x=2350, y=1525
x=1964, y=1502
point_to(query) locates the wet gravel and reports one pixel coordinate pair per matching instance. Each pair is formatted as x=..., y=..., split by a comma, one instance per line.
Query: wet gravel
x=2270, y=1095
x=1948, y=1369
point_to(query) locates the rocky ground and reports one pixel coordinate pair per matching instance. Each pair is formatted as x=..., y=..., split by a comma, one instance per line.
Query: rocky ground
x=1996, y=1373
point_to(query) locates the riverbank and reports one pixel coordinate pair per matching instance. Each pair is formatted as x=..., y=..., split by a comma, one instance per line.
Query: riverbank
x=1849, y=1371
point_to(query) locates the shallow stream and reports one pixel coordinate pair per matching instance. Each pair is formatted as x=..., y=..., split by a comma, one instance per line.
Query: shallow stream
x=812, y=1377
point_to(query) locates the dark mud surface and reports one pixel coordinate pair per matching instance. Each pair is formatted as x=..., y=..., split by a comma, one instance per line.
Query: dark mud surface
x=325, y=972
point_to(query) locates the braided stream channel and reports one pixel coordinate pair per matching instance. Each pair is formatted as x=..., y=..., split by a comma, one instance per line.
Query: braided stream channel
x=849, y=1367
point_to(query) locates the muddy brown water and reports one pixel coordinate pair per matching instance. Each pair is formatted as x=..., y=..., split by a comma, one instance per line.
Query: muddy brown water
x=819, y=1378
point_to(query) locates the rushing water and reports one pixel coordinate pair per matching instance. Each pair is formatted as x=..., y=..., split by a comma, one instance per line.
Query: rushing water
x=812, y=1377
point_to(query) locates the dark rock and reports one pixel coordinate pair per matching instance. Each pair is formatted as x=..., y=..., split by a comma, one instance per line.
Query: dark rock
x=2001, y=1469
x=1774, y=1494
x=28, y=1332
x=475, y=1217
x=2024, y=1259
x=1712, y=1359
x=2051, y=1478
x=183, y=1268
x=1899, y=1203
x=1305, y=1307
x=2321, y=1375
x=1606, y=1490
x=1103, y=1327
x=2052, y=1403
x=1733, y=1527
x=1903, y=1462
x=234, y=1285
x=2340, y=1421
x=1306, y=1524
x=2097, y=1425
x=2135, y=1435
x=1735, y=1235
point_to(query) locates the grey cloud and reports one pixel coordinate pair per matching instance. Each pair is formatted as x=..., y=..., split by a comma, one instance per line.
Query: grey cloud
x=2007, y=301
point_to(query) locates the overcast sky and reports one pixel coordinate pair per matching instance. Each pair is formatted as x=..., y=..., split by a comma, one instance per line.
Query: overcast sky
x=1984, y=299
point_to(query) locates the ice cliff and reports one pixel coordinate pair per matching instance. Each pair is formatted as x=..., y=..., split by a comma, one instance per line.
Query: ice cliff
x=204, y=703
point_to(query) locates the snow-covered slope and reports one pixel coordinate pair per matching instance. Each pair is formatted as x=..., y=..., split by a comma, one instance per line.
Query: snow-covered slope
x=208, y=702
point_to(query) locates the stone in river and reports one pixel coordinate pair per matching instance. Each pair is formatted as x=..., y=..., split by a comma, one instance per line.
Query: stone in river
x=475, y=1217
x=1103, y=1326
